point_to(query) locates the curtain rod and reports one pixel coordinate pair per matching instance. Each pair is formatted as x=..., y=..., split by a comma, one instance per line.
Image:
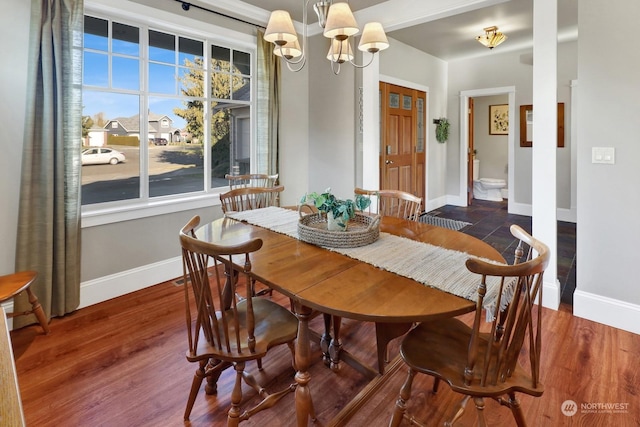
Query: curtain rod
x=186, y=6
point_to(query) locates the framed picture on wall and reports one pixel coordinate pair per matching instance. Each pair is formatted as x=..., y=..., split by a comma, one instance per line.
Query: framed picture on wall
x=499, y=119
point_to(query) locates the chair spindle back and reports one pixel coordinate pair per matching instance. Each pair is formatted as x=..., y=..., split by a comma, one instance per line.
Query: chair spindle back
x=395, y=203
x=493, y=355
x=249, y=198
x=211, y=313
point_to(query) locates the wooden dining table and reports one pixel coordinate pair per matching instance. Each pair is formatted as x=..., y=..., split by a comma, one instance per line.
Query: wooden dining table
x=318, y=279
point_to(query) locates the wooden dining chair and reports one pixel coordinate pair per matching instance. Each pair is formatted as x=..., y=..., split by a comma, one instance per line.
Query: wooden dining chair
x=248, y=198
x=396, y=203
x=224, y=331
x=251, y=180
x=12, y=285
x=481, y=361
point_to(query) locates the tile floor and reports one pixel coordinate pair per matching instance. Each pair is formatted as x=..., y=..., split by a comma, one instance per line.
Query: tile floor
x=491, y=221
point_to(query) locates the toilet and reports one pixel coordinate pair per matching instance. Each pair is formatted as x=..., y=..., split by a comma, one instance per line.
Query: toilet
x=487, y=188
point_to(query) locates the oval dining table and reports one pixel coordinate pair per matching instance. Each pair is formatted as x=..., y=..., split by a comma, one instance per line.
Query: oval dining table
x=315, y=278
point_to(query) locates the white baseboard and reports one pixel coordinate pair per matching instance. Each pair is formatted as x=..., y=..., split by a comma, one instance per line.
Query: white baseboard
x=520, y=209
x=551, y=295
x=567, y=215
x=435, y=203
x=115, y=285
x=608, y=311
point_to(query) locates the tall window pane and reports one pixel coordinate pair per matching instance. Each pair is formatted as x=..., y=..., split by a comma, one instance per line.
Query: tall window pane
x=175, y=159
x=111, y=147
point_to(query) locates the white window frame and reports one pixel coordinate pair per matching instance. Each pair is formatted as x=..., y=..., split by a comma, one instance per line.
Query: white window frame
x=146, y=18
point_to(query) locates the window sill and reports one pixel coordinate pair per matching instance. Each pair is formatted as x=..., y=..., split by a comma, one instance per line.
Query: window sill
x=92, y=217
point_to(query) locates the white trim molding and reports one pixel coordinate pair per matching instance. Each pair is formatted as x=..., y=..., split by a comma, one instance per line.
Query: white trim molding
x=608, y=311
x=118, y=284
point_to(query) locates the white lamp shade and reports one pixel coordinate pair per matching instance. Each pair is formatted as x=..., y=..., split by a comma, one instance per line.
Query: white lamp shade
x=340, y=51
x=373, y=38
x=340, y=23
x=289, y=50
x=280, y=29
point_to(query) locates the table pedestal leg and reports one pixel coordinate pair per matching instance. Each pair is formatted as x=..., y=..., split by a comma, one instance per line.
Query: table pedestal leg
x=304, y=404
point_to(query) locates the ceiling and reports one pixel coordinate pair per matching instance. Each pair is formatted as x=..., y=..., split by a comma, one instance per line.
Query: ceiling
x=443, y=28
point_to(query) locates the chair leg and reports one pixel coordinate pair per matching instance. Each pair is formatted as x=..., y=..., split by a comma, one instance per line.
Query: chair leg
x=233, y=418
x=38, y=311
x=325, y=339
x=401, y=403
x=195, y=386
x=516, y=410
x=436, y=383
x=336, y=344
x=480, y=411
x=459, y=410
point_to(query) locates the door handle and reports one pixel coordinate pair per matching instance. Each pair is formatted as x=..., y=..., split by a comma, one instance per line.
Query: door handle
x=388, y=162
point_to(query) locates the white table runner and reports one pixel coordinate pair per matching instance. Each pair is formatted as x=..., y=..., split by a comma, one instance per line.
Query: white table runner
x=430, y=265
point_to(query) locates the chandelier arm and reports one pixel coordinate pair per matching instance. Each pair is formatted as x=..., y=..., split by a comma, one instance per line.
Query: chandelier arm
x=335, y=67
x=363, y=65
x=301, y=63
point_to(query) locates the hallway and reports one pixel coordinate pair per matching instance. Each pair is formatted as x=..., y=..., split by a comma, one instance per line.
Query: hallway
x=490, y=222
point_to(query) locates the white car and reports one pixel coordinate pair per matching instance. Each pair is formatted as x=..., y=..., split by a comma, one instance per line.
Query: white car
x=101, y=156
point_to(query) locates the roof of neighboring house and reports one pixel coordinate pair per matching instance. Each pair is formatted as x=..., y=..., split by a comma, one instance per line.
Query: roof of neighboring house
x=132, y=124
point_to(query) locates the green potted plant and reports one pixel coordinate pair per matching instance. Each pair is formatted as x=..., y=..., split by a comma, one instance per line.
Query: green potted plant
x=442, y=130
x=338, y=211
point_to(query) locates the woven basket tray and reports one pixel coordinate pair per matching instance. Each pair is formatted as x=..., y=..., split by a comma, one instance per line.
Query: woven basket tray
x=361, y=230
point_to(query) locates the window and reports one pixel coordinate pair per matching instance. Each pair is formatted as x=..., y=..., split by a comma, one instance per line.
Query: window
x=178, y=108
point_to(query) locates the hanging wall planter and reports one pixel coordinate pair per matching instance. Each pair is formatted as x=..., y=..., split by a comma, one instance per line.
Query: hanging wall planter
x=442, y=129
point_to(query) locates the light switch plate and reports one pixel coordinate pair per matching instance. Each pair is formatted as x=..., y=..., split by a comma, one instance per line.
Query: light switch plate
x=605, y=155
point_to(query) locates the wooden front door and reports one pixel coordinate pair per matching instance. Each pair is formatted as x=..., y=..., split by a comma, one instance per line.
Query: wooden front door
x=402, y=145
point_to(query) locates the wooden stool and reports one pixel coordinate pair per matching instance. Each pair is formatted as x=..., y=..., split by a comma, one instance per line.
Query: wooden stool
x=12, y=284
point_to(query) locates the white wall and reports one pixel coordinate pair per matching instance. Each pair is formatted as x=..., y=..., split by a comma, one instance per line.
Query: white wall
x=608, y=200
x=13, y=86
x=512, y=69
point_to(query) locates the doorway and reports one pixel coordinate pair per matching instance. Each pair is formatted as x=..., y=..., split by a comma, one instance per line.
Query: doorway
x=402, y=159
x=466, y=151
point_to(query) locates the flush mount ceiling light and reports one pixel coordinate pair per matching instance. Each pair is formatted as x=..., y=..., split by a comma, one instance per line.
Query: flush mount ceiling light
x=339, y=25
x=491, y=37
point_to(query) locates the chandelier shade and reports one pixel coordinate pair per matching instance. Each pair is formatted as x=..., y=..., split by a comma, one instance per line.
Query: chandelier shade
x=290, y=50
x=491, y=37
x=341, y=23
x=280, y=29
x=340, y=51
x=373, y=38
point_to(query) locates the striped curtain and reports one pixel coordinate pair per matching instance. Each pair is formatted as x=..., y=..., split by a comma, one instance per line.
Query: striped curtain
x=49, y=212
x=268, y=114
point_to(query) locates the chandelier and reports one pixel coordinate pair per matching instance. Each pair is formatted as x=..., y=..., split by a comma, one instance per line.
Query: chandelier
x=491, y=37
x=339, y=25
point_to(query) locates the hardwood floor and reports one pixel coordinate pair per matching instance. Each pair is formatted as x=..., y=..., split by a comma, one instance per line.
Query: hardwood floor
x=122, y=363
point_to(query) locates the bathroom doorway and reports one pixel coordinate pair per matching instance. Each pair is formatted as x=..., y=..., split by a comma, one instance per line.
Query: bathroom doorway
x=488, y=148
x=476, y=134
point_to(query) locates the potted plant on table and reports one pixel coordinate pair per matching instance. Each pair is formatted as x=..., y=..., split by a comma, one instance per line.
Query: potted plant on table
x=338, y=211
